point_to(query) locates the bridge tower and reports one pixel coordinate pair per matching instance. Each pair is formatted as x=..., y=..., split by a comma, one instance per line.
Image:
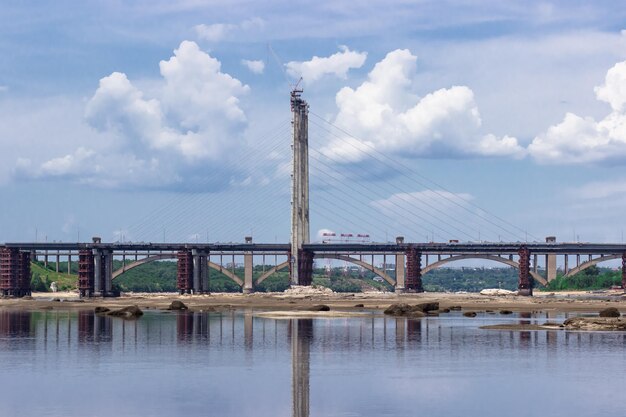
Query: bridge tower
x=301, y=262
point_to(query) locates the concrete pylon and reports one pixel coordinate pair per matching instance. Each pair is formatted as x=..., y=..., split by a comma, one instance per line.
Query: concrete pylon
x=550, y=261
x=525, y=284
x=199, y=272
x=301, y=262
x=248, y=269
x=400, y=286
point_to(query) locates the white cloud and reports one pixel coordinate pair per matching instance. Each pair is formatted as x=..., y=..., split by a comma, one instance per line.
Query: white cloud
x=215, y=32
x=583, y=139
x=255, y=66
x=386, y=117
x=3, y=88
x=76, y=163
x=337, y=64
x=193, y=119
x=196, y=116
x=219, y=31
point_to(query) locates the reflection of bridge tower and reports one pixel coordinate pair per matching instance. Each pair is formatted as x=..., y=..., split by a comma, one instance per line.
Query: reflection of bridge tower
x=301, y=264
x=301, y=336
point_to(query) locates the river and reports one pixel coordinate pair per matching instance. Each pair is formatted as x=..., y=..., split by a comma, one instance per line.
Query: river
x=61, y=363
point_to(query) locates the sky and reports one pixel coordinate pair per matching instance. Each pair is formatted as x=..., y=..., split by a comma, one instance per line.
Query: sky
x=433, y=120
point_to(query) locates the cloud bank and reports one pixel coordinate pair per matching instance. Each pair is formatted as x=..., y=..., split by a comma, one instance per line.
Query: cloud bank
x=217, y=32
x=182, y=136
x=317, y=67
x=388, y=118
x=583, y=139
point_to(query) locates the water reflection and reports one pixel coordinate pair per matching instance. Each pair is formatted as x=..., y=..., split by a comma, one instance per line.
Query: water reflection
x=247, y=350
x=301, y=332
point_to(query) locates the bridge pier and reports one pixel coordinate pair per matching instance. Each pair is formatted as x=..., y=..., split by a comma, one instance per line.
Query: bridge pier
x=184, y=275
x=525, y=285
x=400, y=288
x=414, y=270
x=550, y=261
x=248, y=269
x=14, y=272
x=200, y=271
x=95, y=273
x=624, y=270
x=86, y=273
x=305, y=267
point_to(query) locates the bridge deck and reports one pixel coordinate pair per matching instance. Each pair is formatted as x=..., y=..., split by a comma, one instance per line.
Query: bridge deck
x=355, y=248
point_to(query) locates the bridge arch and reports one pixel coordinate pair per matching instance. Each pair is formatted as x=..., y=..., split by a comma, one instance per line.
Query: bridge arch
x=495, y=258
x=270, y=271
x=591, y=263
x=160, y=257
x=139, y=262
x=358, y=262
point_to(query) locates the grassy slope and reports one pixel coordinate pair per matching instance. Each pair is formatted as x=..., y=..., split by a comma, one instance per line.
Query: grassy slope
x=48, y=275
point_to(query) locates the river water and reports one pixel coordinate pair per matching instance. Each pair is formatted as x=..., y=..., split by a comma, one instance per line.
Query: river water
x=55, y=363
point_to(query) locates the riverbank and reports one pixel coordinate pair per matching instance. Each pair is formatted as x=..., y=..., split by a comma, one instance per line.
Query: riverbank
x=303, y=299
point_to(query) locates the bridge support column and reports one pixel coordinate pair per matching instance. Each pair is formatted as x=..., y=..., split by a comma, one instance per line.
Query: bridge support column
x=305, y=267
x=199, y=271
x=400, y=288
x=624, y=270
x=565, y=266
x=107, y=278
x=414, y=270
x=550, y=267
x=86, y=272
x=248, y=269
x=525, y=286
x=14, y=272
x=102, y=273
x=97, y=271
x=184, y=274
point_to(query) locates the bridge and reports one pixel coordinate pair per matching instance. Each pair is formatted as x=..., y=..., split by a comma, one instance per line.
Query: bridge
x=409, y=261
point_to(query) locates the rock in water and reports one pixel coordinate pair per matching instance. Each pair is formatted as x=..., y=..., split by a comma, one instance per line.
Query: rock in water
x=126, y=312
x=426, y=307
x=101, y=310
x=320, y=307
x=404, y=310
x=177, y=305
x=610, y=312
x=595, y=323
x=470, y=314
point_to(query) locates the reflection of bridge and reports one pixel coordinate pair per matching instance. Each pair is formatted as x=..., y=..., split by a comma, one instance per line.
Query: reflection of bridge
x=400, y=264
x=408, y=261
x=219, y=339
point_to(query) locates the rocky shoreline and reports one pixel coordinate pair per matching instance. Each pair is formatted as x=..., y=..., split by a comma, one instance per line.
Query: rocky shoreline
x=309, y=301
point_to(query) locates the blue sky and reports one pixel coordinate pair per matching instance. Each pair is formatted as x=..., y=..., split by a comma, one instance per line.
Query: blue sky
x=438, y=120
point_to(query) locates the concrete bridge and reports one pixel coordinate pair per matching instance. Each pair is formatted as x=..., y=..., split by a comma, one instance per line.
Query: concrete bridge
x=402, y=265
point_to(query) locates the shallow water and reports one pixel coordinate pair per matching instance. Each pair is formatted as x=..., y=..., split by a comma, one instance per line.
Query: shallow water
x=235, y=364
